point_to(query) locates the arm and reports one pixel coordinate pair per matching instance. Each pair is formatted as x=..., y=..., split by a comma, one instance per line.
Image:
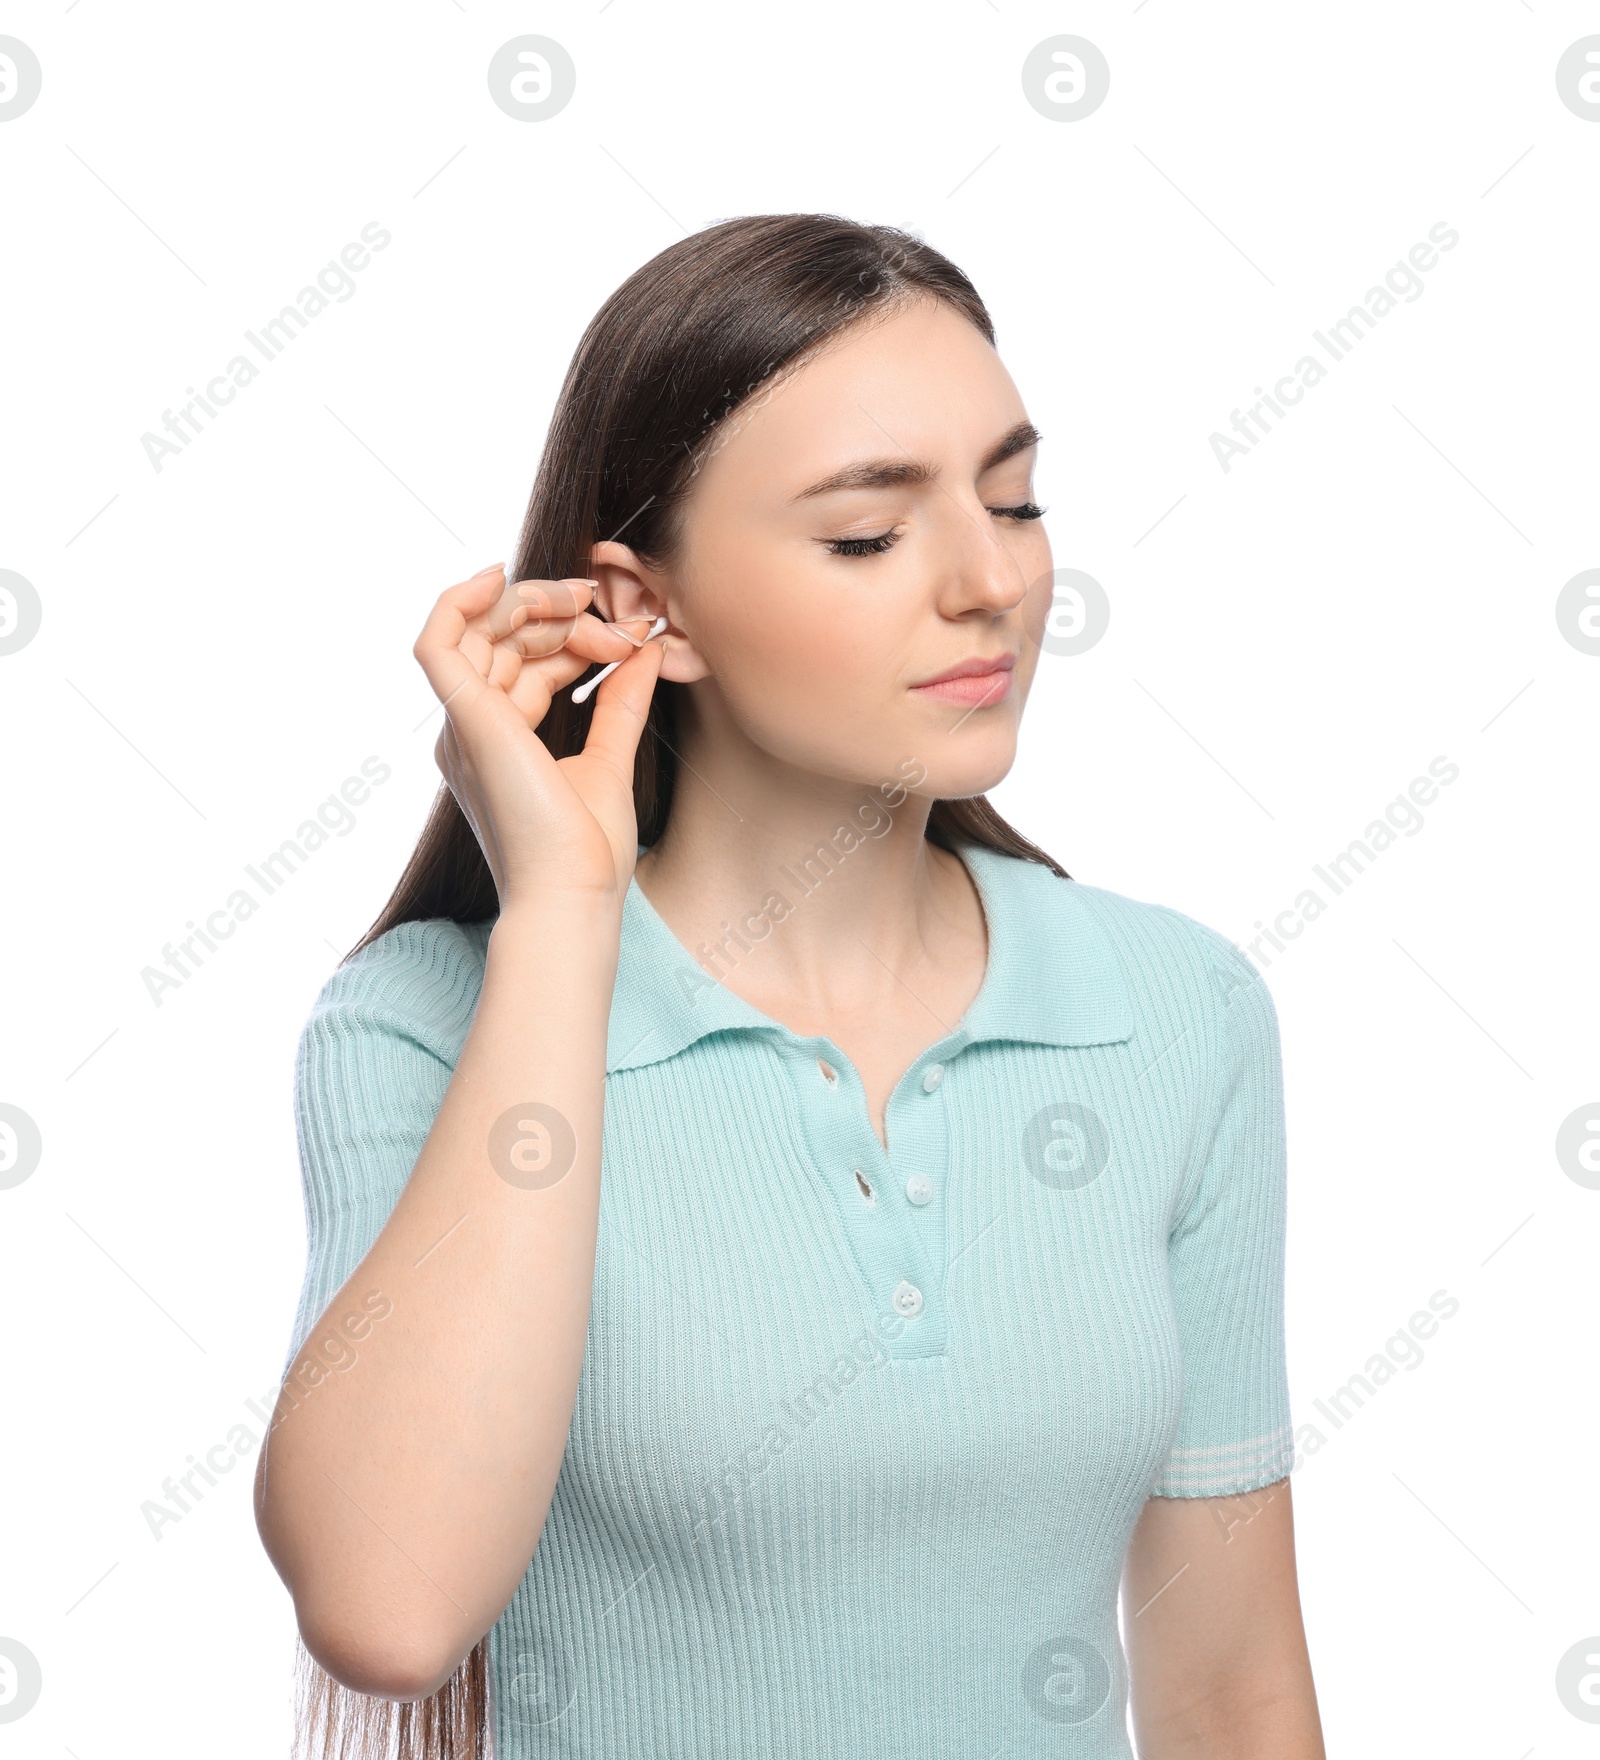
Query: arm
x=402, y=1500
x=1216, y=1646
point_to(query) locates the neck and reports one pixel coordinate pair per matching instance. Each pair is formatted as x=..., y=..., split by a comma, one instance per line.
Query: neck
x=786, y=884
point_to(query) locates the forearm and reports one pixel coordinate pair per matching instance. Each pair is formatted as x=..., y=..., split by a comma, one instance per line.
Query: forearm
x=1215, y=1640
x=402, y=1498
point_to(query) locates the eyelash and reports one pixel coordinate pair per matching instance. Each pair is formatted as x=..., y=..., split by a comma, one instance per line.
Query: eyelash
x=1024, y=510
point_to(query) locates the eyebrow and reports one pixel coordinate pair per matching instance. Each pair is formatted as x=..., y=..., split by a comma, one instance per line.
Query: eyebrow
x=894, y=473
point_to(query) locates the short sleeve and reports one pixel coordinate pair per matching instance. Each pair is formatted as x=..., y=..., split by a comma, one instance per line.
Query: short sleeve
x=1225, y=1255
x=371, y=1069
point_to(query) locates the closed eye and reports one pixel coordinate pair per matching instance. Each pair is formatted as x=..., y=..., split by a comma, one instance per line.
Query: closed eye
x=860, y=546
x=882, y=541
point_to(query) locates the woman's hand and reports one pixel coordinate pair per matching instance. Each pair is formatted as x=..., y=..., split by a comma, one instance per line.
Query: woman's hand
x=495, y=655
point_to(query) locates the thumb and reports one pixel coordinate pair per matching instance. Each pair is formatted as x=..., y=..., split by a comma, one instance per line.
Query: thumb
x=621, y=707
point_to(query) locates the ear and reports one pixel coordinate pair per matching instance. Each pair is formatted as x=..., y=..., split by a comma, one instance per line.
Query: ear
x=630, y=587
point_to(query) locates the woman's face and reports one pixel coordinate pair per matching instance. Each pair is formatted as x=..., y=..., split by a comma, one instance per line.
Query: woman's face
x=847, y=547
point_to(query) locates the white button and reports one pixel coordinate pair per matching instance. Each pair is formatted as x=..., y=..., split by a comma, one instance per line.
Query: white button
x=919, y=1188
x=907, y=1299
x=829, y=1074
x=932, y=1076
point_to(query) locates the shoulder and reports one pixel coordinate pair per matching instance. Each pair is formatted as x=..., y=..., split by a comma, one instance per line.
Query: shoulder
x=1187, y=976
x=1171, y=972
x=1154, y=945
x=1160, y=945
x=418, y=981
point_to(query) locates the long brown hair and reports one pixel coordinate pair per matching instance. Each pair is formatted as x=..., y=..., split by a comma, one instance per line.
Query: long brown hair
x=679, y=346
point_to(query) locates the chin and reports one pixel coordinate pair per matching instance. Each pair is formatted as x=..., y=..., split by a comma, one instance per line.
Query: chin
x=956, y=774
x=906, y=756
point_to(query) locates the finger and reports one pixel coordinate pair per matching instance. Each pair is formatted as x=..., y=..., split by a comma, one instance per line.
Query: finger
x=455, y=608
x=472, y=596
x=545, y=609
x=518, y=664
x=547, y=672
x=536, y=618
x=564, y=598
x=538, y=681
x=475, y=614
x=438, y=648
x=585, y=635
x=621, y=706
x=526, y=601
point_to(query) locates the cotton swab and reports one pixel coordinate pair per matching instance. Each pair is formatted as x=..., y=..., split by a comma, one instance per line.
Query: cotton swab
x=586, y=689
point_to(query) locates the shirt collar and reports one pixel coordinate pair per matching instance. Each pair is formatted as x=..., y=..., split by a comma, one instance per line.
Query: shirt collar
x=1053, y=977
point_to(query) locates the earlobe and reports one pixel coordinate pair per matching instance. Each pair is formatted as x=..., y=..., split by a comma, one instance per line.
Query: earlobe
x=683, y=662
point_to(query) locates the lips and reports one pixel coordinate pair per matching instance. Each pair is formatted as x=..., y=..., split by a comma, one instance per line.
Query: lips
x=980, y=682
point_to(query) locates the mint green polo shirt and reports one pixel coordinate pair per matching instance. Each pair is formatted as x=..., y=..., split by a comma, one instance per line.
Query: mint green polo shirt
x=861, y=1434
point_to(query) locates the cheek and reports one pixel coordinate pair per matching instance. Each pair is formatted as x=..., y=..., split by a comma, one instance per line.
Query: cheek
x=793, y=643
x=1036, y=611
x=802, y=648
x=805, y=690
x=1035, y=621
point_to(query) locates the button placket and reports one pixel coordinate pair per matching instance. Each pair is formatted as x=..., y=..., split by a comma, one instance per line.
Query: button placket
x=918, y=1119
x=847, y=1155
x=895, y=1235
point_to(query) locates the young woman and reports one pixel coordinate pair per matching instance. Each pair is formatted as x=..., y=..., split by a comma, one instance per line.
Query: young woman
x=781, y=1251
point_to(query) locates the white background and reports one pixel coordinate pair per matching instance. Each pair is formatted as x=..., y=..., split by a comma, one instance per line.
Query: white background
x=1291, y=642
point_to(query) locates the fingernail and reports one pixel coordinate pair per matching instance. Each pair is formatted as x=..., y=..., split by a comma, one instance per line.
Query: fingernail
x=489, y=570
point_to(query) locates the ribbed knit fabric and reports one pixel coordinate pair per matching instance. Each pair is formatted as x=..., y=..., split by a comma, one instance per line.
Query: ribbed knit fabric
x=860, y=1437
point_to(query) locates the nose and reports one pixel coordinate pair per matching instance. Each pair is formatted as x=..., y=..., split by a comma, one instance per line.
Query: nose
x=982, y=574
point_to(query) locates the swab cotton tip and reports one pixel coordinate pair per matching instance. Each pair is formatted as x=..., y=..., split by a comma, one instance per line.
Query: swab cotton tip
x=586, y=690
